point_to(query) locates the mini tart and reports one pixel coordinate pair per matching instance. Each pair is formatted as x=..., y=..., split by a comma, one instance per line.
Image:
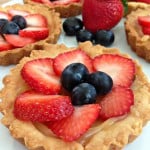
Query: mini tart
x=54, y=24
x=135, y=5
x=68, y=10
x=111, y=134
x=135, y=37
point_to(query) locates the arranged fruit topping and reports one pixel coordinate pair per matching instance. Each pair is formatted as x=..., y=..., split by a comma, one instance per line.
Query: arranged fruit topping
x=64, y=59
x=101, y=15
x=72, y=127
x=56, y=2
x=83, y=93
x=40, y=76
x=19, y=28
x=101, y=81
x=121, y=69
x=70, y=92
x=73, y=74
x=35, y=32
x=32, y=106
x=4, y=45
x=116, y=103
x=144, y=21
x=74, y=26
x=18, y=41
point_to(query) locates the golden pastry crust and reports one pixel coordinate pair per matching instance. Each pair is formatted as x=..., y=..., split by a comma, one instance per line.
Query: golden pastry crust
x=111, y=134
x=135, y=5
x=65, y=11
x=54, y=24
x=135, y=37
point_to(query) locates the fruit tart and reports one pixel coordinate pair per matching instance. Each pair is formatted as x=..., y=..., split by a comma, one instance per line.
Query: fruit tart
x=66, y=8
x=23, y=27
x=137, y=26
x=76, y=98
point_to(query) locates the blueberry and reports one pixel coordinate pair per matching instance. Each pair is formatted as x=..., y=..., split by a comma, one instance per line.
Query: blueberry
x=3, y=22
x=73, y=75
x=104, y=37
x=72, y=25
x=20, y=21
x=84, y=35
x=83, y=93
x=101, y=81
x=10, y=28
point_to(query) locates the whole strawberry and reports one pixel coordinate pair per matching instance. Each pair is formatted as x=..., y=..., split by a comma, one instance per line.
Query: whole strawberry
x=101, y=14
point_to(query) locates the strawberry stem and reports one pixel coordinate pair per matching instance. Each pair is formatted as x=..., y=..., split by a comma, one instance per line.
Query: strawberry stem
x=125, y=4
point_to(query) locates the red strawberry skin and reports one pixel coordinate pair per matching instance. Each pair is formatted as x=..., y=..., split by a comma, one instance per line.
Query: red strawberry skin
x=18, y=41
x=72, y=127
x=101, y=14
x=146, y=30
x=40, y=76
x=37, y=33
x=14, y=12
x=32, y=106
x=144, y=1
x=121, y=69
x=64, y=59
x=4, y=15
x=116, y=103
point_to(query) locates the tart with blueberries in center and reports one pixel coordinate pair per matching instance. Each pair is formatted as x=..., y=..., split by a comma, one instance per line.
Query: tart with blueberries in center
x=137, y=26
x=22, y=27
x=76, y=98
x=66, y=8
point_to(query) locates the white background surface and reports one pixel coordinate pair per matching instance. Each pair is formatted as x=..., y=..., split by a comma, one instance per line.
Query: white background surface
x=141, y=143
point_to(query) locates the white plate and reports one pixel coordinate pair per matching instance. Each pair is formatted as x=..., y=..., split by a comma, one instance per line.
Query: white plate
x=141, y=143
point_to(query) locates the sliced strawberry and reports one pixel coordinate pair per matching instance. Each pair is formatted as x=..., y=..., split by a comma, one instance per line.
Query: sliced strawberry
x=14, y=12
x=121, y=69
x=146, y=30
x=32, y=106
x=37, y=33
x=72, y=127
x=38, y=1
x=4, y=15
x=116, y=103
x=64, y=2
x=40, y=76
x=144, y=21
x=4, y=45
x=36, y=20
x=18, y=41
x=64, y=59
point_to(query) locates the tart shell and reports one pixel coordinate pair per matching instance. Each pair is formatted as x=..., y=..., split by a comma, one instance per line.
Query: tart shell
x=65, y=11
x=139, y=42
x=112, y=134
x=54, y=24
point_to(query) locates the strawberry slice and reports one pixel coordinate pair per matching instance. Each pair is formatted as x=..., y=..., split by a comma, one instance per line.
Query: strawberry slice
x=40, y=76
x=32, y=106
x=18, y=41
x=121, y=69
x=4, y=15
x=146, y=30
x=116, y=103
x=38, y=1
x=14, y=12
x=64, y=59
x=74, y=126
x=144, y=21
x=36, y=20
x=37, y=33
x=64, y=2
x=4, y=45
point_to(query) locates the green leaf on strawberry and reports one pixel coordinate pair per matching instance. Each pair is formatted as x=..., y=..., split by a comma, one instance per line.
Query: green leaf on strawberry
x=125, y=4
